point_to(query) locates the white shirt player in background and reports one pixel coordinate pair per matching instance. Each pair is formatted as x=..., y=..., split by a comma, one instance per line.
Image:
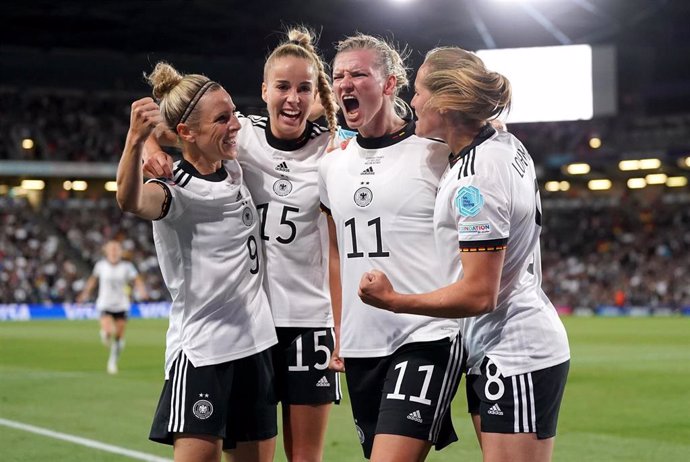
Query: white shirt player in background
x=115, y=278
x=379, y=194
x=279, y=155
x=488, y=204
x=207, y=240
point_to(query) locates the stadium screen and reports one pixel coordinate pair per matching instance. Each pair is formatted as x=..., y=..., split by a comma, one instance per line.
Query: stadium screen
x=549, y=83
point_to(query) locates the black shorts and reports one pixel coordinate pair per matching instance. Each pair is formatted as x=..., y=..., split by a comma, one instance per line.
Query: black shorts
x=407, y=393
x=115, y=314
x=525, y=403
x=234, y=401
x=300, y=360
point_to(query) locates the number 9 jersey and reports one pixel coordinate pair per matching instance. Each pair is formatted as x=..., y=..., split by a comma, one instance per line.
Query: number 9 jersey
x=212, y=263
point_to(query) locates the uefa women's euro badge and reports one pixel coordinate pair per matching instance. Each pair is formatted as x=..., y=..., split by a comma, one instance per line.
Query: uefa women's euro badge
x=469, y=201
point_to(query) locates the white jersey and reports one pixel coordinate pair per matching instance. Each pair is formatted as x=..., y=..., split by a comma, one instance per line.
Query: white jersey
x=380, y=193
x=489, y=200
x=114, y=285
x=210, y=255
x=283, y=179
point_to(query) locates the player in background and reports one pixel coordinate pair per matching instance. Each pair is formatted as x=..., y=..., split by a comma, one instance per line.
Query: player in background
x=279, y=155
x=114, y=278
x=378, y=192
x=219, y=389
x=488, y=204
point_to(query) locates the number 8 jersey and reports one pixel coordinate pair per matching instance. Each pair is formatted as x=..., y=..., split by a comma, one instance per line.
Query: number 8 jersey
x=380, y=193
x=488, y=200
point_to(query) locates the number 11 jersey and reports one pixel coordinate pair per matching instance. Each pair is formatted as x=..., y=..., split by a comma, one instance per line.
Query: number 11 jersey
x=380, y=193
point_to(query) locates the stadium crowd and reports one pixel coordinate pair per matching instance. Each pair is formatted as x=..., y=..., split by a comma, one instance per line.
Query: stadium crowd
x=624, y=252
x=74, y=126
x=617, y=252
x=46, y=255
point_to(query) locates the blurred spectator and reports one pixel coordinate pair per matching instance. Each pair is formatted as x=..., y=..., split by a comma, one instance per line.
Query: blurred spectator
x=594, y=253
x=33, y=264
x=617, y=252
x=68, y=127
x=88, y=224
x=37, y=265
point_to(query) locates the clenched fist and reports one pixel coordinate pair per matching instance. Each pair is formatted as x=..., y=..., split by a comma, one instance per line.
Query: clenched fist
x=143, y=119
x=376, y=290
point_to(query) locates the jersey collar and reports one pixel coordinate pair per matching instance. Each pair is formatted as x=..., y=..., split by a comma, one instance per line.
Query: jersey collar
x=288, y=145
x=219, y=175
x=486, y=132
x=389, y=139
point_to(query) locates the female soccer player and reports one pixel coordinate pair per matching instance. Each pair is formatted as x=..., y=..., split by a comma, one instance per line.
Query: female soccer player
x=219, y=388
x=402, y=371
x=279, y=155
x=113, y=275
x=488, y=204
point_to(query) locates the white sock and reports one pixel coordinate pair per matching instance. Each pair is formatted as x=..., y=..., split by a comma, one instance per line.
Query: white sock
x=116, y=348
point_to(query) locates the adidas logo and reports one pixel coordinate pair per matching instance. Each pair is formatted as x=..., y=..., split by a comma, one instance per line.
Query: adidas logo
x=282, y=167
x=323, y=382
x=495, y=410
x=368, y=171
x=416, y=416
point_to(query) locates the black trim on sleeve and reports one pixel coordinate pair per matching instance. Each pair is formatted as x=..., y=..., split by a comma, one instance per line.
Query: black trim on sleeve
x=493, y=245
x=325, y=209
x=165, y=206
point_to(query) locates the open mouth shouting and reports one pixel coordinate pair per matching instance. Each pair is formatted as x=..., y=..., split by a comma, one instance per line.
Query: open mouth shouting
x=350, y=105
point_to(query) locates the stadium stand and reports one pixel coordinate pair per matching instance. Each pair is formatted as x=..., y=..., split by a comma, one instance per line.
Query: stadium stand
x=597, y=250
x=46, y=254
x=619, y=252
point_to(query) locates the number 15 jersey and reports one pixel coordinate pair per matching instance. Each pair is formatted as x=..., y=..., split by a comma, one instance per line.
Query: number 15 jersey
x=380, y=193
x=282, y=177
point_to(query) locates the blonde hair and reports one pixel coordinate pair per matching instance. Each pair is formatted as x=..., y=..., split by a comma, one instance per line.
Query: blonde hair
x=177, y=94
x=300, y=44
x=459, y=81
x=388, y=59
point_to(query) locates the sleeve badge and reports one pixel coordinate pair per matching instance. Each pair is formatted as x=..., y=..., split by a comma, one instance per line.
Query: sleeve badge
x=469, y=201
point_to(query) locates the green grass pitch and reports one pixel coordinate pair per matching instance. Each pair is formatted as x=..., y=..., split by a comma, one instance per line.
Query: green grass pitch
x=627, y=399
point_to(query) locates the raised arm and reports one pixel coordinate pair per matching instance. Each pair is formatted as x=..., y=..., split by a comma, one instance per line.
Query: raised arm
x=476, y=293
x=143, y=200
